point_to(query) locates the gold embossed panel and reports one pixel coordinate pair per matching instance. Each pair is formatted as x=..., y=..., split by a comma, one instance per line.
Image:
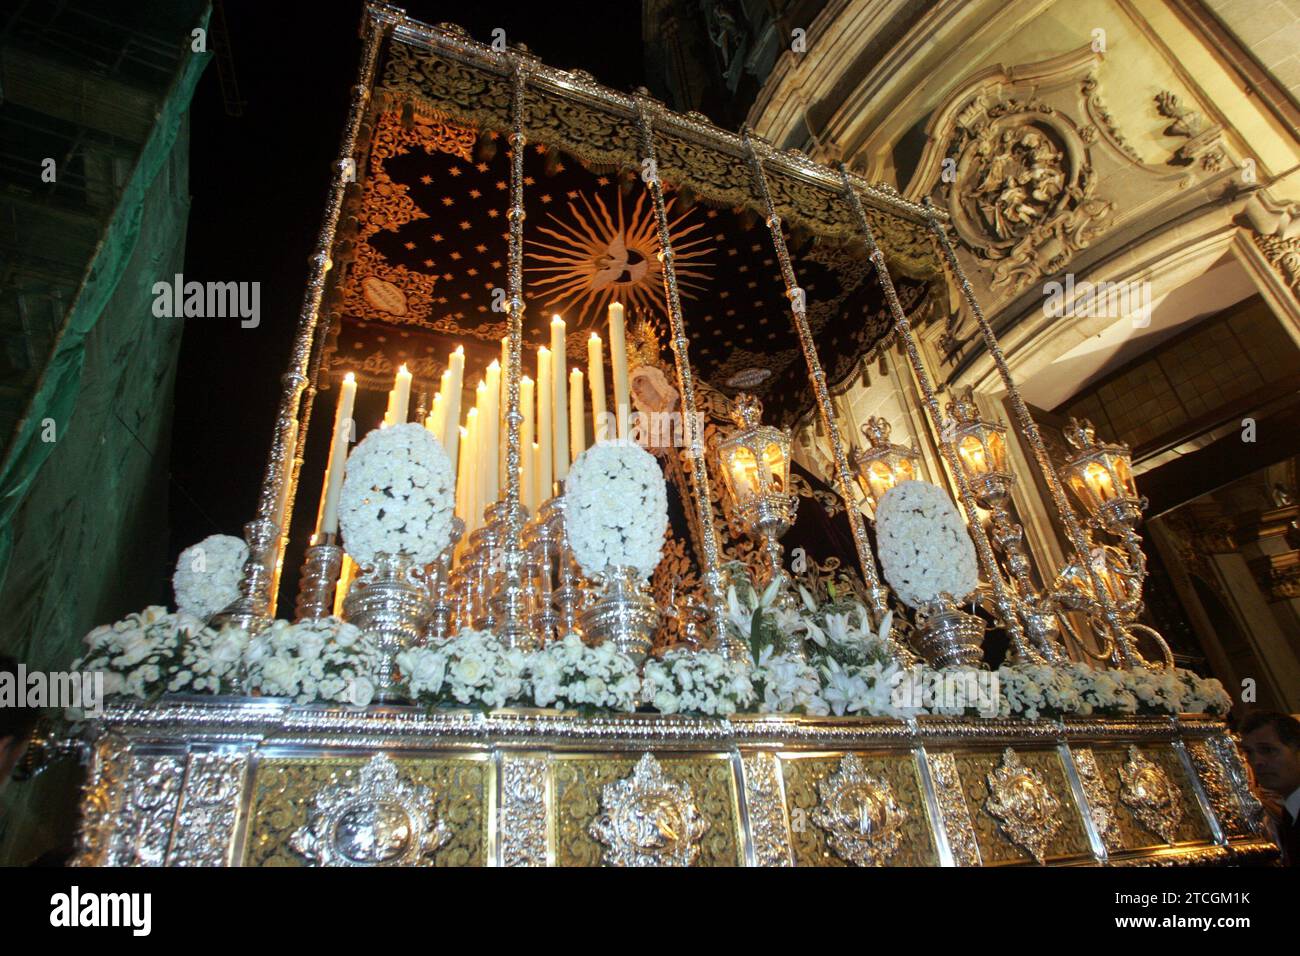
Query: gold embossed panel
x=1064, y=836
x=1130, y=832
x=284, y=789
x=808, y=782
x=579, y=785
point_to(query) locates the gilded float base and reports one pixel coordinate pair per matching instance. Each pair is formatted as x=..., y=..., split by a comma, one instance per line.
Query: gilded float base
x=263, y=783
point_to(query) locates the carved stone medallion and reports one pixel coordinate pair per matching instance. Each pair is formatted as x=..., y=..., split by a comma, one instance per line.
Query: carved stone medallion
x=380, y=820
x=860, y=815
x=1155, y=800
x=1023, y=804
x=648, y=820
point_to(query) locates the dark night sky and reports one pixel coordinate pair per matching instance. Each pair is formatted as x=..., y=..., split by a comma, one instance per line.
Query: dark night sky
x=259, y=183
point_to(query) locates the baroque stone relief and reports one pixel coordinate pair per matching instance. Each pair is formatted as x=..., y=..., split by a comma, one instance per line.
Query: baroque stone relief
x=1034, y=170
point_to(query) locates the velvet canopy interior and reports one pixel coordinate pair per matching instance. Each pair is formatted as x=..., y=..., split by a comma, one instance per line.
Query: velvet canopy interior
x=425, y=231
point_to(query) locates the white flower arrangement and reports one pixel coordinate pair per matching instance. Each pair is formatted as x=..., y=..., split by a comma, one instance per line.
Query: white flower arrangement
x=1076, y=690
x=786, y=685
x=154, y=652
x=616, y=509
x=320, y=660
x=208, y=574
x=841, y=632
x=398, y=494
x=863, y=689
x=758, y=620
x=567, y=674
x=925, y=549
x=473, y=669
x=704, y=682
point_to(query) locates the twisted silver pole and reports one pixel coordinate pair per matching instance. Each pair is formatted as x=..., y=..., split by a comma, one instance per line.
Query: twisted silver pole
x=252, y=608
x=1126, y=653
x=798, y=311
x=732, y=648
x=511, y=601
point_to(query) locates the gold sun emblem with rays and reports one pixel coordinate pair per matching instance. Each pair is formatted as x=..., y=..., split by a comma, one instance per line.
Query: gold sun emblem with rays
x=591, y=258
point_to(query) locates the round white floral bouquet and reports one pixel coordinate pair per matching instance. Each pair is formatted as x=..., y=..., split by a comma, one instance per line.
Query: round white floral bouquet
x=925, y=549
x=154, y=652
x=398, y=494
x=616, y=509
x=208, y=574
x=567, y=674
x=703, y=682
x=473, y=669
x=326, y=659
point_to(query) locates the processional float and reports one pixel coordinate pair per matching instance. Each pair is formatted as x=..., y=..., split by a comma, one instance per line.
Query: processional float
x=235, y=779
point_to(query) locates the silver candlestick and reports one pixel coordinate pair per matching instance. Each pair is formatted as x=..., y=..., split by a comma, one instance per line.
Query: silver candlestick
x=542, y=547
x=624, y=614
x=569, y=591
x=390, y=602
x=440, y=588
x=319, y=579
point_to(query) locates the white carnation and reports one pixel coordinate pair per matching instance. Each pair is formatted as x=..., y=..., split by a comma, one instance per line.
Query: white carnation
x=925, y=549
x=697, y=682
x=616, y=509
x=208, y=574
x=398, y=494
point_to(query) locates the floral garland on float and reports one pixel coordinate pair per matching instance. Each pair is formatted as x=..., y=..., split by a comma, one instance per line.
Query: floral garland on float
x=618, y=512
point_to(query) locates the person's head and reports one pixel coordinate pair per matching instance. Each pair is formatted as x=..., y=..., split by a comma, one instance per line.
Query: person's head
x=1271, y=741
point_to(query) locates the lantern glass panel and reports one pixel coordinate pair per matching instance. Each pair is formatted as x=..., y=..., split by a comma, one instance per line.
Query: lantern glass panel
x=778, y=466
x=996, y=444
x=973, y=457
x=742, y=474
x=1101, y=481
x=1077, y=480
x=1124, y=471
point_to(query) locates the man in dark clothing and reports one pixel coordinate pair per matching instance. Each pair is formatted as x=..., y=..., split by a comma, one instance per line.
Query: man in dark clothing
x=1271, y=741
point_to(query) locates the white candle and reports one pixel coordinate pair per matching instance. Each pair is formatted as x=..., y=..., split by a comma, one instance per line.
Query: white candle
x=527, y=467
x=327, y=521
x=577, y=427
x=388, y=412
x=489, y=424
x=469, y=471
x=402, y=397
x=560, y=399
x=596, y=377
x=435, y=420
x=618, y=358
x=451, y=411
x=537, y=458
x=503, y=407
x=545, y=433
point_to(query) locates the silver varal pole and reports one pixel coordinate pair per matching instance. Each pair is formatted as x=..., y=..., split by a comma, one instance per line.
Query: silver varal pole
x=817, y=375
x=734, y=649
x=252, y=608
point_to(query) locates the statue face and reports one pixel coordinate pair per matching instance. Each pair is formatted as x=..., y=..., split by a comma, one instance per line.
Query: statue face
x=651, y=391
